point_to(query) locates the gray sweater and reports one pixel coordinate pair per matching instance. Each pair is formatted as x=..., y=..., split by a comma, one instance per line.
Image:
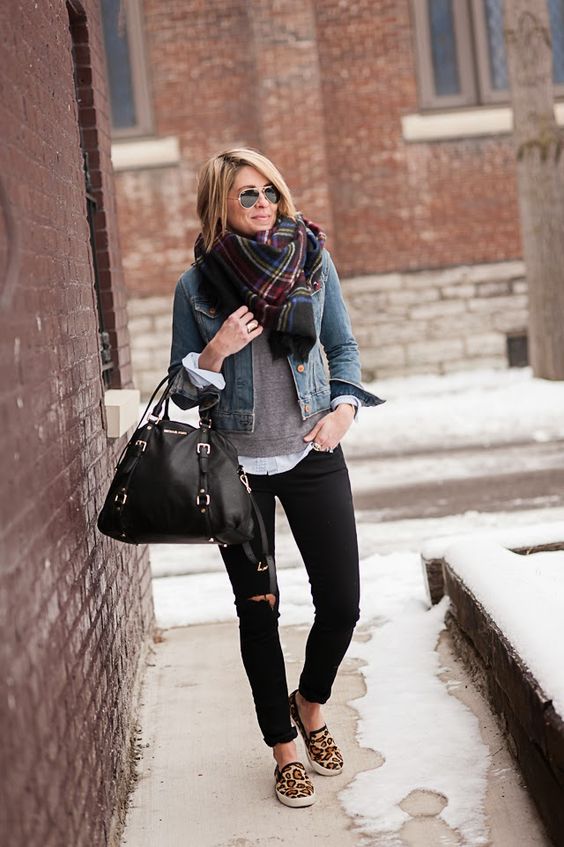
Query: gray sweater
x=279, y=428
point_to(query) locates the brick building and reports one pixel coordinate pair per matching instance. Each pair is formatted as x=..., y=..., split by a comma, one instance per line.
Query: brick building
x=75, y=608
x=390, y=121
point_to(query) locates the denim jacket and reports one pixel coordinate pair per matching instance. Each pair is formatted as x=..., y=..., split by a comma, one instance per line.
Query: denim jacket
x=197, y=318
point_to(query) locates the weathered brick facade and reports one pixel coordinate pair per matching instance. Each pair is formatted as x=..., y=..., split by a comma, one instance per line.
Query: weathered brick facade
x=75, y=608
x=321, y=87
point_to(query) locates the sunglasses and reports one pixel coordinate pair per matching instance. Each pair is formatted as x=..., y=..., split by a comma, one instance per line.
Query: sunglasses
x=249, y=196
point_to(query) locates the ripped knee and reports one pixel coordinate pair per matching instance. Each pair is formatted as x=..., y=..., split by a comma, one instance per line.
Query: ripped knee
x=270, y=598
x=258, y=615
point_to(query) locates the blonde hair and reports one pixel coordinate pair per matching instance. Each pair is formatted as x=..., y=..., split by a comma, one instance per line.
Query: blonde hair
x=215, y=180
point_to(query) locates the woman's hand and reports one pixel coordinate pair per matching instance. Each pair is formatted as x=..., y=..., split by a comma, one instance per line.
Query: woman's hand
x=236, y=331
x=329, y=431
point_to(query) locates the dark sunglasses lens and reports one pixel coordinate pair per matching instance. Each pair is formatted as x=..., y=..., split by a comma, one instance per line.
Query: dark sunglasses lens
x=272, y=194
x=248, y=198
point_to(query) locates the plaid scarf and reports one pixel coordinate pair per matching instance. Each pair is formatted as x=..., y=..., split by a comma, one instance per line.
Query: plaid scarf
x=274, y=274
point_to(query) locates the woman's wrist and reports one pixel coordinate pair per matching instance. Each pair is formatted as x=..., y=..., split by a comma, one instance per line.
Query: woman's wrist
x=211, y=359
x=346, y=410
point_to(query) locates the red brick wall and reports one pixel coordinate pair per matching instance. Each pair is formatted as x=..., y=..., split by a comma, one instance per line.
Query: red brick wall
x=196, y=87
x=321, y=88
x=75, y=607
x=399, y=205
x=219, y=74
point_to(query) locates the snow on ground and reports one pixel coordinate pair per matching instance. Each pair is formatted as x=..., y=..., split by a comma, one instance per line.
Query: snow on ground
x=428, y=535
x=525, y=597
x=479, y=408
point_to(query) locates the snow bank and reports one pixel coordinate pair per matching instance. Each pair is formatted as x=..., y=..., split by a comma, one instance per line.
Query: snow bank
x=428, y=738
x=524, y=595
x=511, y=537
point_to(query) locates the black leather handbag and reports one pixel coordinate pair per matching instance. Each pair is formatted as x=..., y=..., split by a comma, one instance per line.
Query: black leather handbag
x=179, y=484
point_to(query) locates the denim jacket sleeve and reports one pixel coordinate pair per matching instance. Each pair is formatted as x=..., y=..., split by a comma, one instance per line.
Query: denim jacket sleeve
x=340, y=345
x=186, y=338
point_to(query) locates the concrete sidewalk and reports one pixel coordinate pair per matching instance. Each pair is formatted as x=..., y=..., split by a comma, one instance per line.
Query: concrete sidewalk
x=206, y=778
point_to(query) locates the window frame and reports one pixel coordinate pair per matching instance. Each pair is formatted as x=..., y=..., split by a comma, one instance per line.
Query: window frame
x=470, y=32
x=427, y=97
x=487, y=94
x=133, y=10
x=93, y=188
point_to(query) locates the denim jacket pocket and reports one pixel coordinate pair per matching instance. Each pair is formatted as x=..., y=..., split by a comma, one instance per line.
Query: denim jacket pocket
x=208, y=317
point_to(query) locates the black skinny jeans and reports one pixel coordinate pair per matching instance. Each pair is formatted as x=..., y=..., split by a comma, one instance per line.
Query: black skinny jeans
x=316, y=497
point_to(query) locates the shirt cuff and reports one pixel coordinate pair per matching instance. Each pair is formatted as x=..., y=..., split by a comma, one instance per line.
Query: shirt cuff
x=200, y=377
x=346, y=398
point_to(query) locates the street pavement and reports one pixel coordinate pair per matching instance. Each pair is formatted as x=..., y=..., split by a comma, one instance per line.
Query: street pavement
x=506, y=477
x=206, y=778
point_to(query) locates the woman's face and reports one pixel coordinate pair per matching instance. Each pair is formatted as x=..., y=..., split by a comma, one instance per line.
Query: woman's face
x=259, y=217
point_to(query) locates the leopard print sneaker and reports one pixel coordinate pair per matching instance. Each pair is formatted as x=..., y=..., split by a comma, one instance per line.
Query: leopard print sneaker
x=323, y=754
x=293, y=786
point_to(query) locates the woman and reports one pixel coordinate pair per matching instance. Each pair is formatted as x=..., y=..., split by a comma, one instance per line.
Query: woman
x=251, y=318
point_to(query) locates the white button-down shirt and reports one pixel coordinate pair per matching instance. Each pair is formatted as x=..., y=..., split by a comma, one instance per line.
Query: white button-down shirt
x=262, y=465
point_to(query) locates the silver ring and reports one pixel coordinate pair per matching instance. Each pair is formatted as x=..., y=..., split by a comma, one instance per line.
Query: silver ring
x=317, y=447
x=251, y=328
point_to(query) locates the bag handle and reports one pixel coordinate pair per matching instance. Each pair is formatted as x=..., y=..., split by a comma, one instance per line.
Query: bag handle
x=159, y=386
x=265, y=555
x=156, y=413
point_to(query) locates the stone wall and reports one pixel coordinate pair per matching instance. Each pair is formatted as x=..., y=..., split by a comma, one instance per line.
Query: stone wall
x=405, y=323
x=437, y=321
x=150, y=322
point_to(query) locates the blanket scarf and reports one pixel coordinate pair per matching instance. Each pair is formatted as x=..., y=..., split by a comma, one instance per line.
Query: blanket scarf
x=274, y=274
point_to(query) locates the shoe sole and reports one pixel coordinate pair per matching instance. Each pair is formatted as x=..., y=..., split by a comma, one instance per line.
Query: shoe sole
x=319, y=768
x=295, y=802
